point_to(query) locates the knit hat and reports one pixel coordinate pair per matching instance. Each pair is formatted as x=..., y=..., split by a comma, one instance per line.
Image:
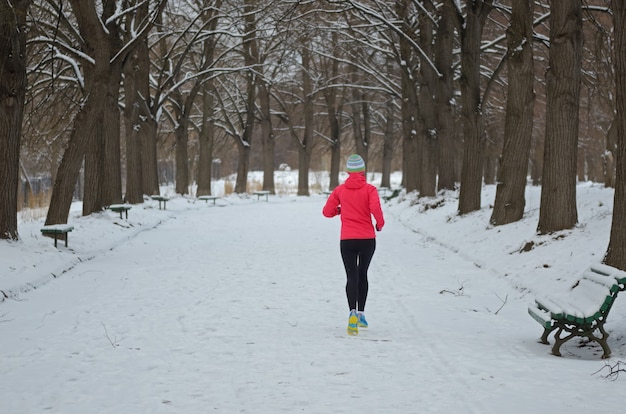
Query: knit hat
x=355, y=164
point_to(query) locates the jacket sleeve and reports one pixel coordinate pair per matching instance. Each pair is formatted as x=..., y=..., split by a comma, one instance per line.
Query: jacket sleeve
x=330, y=208
x=375, y=208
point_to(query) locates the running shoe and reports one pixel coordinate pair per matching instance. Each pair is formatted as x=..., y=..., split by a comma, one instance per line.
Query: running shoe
x=353, y=324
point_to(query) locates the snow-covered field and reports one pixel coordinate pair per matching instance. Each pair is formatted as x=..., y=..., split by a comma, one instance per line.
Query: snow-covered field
x=239, y=307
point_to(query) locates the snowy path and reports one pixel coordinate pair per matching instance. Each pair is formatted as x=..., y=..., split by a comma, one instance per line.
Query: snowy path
x=241, y=309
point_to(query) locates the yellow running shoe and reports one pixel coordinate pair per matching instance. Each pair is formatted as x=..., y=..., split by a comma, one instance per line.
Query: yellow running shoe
x=353, y=321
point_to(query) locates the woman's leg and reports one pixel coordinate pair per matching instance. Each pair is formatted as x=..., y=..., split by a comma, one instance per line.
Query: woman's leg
x=366, y=252
x=349, y=255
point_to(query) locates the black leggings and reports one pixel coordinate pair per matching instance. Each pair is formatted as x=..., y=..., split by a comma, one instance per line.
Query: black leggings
x=357, y=255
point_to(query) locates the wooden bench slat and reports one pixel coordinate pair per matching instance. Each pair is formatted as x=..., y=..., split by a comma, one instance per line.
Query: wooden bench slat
x=543, y=317
x=604, y=280
x=617, y=274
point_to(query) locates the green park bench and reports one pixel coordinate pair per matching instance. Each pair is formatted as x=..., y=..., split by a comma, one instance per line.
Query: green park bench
x=208, y=198
x=261, y=193
x=120, y=208
x=582, y=311
x=160, y=199
x=57, y=230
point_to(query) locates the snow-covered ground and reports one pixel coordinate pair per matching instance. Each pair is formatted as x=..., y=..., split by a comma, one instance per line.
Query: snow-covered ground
x=239, y=307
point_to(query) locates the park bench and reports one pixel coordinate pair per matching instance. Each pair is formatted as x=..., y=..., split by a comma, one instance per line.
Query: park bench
x=261, y=193
x=120, y=208
x=160, y=199
x=582, y=311
x=56, y=230
x=208, y=198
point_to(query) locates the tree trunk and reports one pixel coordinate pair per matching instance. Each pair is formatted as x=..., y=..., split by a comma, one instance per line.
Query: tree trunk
x=241, y=183
x=94, y=167
x=385, y=180
x=304, y=152
x=510, y=202
x=536, y=160
x=185, y=108
x=409, y=106
x=104, y=158
x=150, y=172
x=137, y=116
x=444, y=98
x=334, y=108
x=428, y=121
x=182, y=156
x=330, y=95
x=251, y=57
x=335, y=164
x=473, y=128
x=616, y=252
x=84, y=125
x=84, y=133
x=558, y=191
x=207, y=132
x=133, y=124
x=207, y=137
x=359, y=109
x=608, y=158
x=267, y=137
x=12, y=96
x=244, y=142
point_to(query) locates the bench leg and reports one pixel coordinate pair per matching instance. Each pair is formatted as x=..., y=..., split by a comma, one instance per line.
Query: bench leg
x=55, y=239
x=546, y=333
x=66, y=237
x=558, y=341
x=601, y=340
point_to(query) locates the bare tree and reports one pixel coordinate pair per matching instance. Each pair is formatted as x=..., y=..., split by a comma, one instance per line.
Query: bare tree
x=207, y=131
x=510, y=201
x=138, y=119
x=616, y=252
x=444, y=97
x=471, y=29
x=333, y=97
x=409, y=107
x=558, y=190
x=428, y=91
x=12, y=96
x=95, y=132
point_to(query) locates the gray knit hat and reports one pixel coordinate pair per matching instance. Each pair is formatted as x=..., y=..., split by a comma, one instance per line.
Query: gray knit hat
x=355, y=164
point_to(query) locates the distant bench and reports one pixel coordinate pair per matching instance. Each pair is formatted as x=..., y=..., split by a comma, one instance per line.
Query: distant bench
x=56, y=230
x=160, y=199
x=120, y=208
x=582, y=310
x=208, y=198
x=261, y=193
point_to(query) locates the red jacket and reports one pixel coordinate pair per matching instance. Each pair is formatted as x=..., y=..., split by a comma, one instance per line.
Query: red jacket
x=356, y=201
